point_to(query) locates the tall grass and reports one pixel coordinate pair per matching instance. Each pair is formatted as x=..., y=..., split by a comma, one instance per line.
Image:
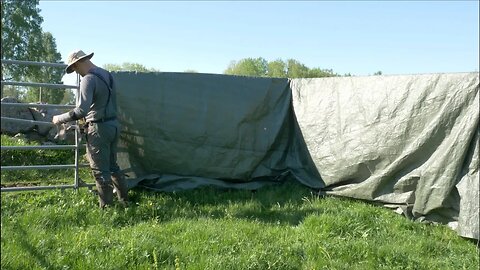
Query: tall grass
x=278, y=227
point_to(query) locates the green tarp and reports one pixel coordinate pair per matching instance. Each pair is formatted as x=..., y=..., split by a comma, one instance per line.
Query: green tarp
x=404, y=140
x=186, y=130
x=409, y=141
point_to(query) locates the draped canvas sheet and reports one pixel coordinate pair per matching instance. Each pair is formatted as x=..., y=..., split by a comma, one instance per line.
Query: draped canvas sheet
x=410, y=140
x=185, y=130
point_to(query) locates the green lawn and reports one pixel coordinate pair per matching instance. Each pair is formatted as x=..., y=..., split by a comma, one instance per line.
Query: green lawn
x=278, y=227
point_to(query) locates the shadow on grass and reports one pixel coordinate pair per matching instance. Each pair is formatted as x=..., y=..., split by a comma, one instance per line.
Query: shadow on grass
x=30, y=249
x=283, y=203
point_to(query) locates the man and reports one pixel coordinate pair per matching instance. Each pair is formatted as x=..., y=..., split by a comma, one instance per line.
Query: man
x=97, y=104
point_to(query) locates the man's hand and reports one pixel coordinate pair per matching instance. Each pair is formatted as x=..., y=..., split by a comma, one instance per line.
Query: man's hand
x=56, y=120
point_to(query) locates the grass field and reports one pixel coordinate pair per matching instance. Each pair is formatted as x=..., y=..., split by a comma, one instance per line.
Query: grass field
x=279, y=227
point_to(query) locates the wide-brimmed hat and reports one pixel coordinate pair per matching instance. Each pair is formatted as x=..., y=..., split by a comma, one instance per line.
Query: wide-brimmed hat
x=75, y=57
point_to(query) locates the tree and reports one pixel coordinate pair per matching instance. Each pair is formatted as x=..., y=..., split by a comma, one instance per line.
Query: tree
x=23, y=39
x=48, y=53
x=12, y=91
x=278, y=68
x=296, y=69
x=319, y=73
x=190, y=71
x=21, y=32
x=68, y=98
x=377, y=73
x=127, y=66
x=248, y=67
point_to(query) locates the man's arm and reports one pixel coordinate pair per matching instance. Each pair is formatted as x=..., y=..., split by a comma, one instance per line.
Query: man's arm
x=87, y=87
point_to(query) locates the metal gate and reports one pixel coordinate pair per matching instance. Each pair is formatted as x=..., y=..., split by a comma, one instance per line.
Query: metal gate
x=77, y=146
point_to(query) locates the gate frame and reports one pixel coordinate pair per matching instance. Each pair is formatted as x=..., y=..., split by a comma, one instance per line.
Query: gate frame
x=77, y=181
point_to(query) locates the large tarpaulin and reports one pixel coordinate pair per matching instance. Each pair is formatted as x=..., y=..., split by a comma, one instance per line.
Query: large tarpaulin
x=409, y=141
x=182, y=131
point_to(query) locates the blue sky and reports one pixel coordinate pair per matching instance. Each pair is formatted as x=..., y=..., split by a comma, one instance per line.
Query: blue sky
x=357, y=37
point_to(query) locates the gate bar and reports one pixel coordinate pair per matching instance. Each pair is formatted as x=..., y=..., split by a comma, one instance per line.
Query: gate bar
x=6, y=189
x=34, y=105
x=35, y=147
x=41, y=167
x=31, y=63
x=28, y=121
x=49, y=85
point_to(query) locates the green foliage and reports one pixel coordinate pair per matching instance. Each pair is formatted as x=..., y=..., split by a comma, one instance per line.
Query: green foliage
x=291, y=68
x=47, y=74
x=320, y=73
x=280, y=227
x=277, y=69
x=69, y=97
x=12, y=91
x=21, y=35
x=248, y=67
x=127, y=66
x=190, y=71
x=23, y=39
x=296, y=69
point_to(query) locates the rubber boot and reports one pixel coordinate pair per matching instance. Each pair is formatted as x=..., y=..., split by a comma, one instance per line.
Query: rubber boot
x=120, y=184
x=105, y=192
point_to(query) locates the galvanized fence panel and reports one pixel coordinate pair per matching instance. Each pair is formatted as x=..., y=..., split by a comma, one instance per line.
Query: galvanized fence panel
x=77, y=181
